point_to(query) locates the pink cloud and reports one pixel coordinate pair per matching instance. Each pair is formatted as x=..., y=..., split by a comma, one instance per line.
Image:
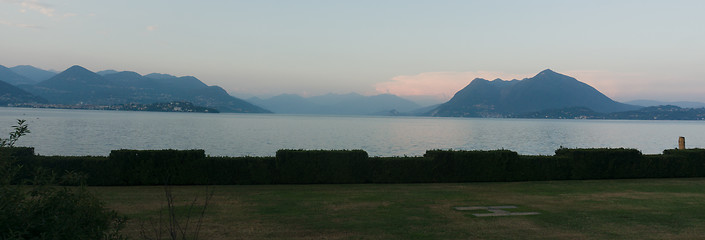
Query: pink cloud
x=616, y=85
x=631, y=85
x=613, y=84
x=20, y=25
x=39, y=7
x=442, y=85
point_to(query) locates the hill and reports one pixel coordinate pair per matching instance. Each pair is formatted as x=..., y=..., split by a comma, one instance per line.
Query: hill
x=650, y=103
x=77, y=85
x=664, y=112
x=106, y=72
x=547, y=90
x=10, y=95
x=11, y=77
x=34, y=74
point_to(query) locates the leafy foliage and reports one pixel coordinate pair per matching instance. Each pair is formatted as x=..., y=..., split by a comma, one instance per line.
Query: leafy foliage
x=192, y=167
x=322, y=166
x=20, y=130
x=39, y=210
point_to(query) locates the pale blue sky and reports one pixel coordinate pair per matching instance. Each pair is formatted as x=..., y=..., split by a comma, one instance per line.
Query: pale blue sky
x=626, y=49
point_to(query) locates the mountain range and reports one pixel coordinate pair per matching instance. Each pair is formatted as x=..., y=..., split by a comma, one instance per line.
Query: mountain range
x=77, y=85
x=10, y=95
x=547, y=90
x=32, y=73
x=547, y=94
x=651, y=103
x=337, y=104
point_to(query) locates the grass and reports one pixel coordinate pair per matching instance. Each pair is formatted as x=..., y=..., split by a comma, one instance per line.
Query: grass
x=600, y=209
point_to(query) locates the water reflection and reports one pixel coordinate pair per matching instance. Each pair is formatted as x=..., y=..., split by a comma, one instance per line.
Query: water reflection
x=81, y=132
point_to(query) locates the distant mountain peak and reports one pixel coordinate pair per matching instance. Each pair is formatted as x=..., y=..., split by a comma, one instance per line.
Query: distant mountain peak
x=548, y=71
x=546, y=90
x=9, y=76
x=106, y=72
x=75, y=77
x=76, y=69
x=159, y=76
x=33, y=73
x=127, y=74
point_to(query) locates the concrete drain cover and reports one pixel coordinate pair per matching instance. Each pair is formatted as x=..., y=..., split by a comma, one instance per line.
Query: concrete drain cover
x=496, y=211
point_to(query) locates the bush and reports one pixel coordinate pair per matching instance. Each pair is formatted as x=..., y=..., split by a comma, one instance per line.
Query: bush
x=93, y=170
x=322, y=166
x=680, y=163
x=156, y=167
x=191, y=167
x=694, y=153
x=471, y=166
x=56, y=213
x=17, y=152
x=400, y=170
x=42, y=210
x=604, y=163
x=538, y=168
x=240, y=170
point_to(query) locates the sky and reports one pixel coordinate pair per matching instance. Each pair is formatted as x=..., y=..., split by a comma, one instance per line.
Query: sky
x=626, y=49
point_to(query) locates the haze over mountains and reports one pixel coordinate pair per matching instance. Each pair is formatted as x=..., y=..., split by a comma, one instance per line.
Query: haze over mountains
x=32, y=73
x=337, y=104
x=649, y=103
x=77, y=85
x=9, y=76
x=547, y=92
x=10, y=94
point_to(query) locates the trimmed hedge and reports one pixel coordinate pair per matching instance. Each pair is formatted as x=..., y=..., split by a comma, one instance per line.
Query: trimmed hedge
x=604, y=163
x=322, y=166
x=186, y=167
x=95, y=169
x=677, y=163
x=154, y=167
x=400, y=170
x=539, y=168
x=239, y=170
x=17, y=152
x=471, y=166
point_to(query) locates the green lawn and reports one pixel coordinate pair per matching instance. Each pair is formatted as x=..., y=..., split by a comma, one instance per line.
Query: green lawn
x=599, y=209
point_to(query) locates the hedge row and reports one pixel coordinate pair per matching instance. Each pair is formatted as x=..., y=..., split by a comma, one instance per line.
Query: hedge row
x=335, y=166
x=178, y=167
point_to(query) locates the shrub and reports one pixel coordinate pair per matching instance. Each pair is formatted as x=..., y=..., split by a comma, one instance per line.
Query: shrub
x=322, y=166
x=677, y=163
x=156, y=167
x=538, y=168
x=240, y=170
x=471, y=166
x=400, y=170
x=604, y=163
x=44, y=211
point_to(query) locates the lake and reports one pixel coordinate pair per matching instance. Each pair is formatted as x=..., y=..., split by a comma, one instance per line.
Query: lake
x=90, y=132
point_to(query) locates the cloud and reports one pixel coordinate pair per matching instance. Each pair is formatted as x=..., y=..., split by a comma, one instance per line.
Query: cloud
x=20, y=25
x=616, y=85
x=442, y=85
x=38, y=7
x=613, y=84
x=636, y=85
x=152, y=28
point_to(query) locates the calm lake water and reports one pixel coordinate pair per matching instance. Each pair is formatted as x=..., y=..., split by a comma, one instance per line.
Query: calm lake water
x=87, y=132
